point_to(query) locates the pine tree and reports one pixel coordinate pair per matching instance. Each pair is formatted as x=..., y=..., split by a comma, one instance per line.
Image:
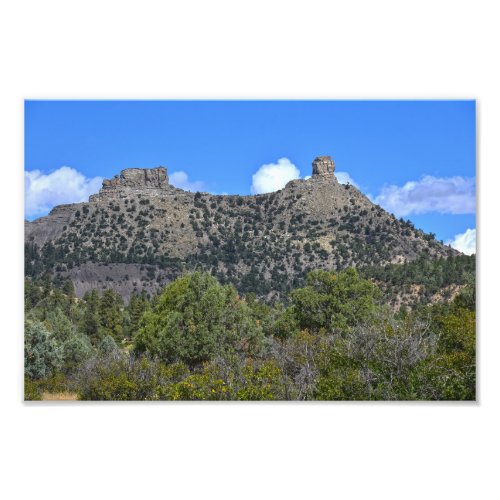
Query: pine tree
x=91, y=317
x=111, y=314
x=136, y=308
x=69, y=289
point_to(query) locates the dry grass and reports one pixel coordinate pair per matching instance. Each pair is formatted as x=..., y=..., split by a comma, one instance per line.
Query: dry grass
x=59, y=396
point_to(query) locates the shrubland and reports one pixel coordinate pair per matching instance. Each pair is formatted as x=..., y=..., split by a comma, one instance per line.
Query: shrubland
x=333, y=339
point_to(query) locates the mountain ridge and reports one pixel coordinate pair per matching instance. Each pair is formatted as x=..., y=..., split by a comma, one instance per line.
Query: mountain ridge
x=139, y=232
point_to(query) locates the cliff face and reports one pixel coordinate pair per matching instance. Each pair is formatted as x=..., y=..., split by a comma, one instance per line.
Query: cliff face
x=139, y=232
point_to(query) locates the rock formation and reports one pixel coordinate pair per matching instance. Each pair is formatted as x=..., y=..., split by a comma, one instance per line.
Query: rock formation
x=323, y=166
x=151, y=180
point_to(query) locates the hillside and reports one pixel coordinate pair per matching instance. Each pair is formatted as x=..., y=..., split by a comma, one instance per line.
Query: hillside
x=139, y=232
x=423, y=281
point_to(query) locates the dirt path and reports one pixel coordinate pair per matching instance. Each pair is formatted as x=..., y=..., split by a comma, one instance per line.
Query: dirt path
x=59, y=396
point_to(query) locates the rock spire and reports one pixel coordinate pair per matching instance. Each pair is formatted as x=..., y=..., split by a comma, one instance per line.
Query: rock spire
x=323, y=166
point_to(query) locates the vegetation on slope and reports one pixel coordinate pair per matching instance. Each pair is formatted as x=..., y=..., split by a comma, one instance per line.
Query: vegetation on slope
x=335, y=339
x=264, y=244
x=422, y=280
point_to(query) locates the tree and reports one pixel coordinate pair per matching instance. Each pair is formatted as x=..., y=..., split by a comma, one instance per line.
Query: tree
x=91, y=317
x=451, y=373
x=334, y=301
x=32, y=294
x=76, y=350
x=285, y=322
x=41, y=353
x=69, y=289
x=108, y=345
x=111, y=314
x=137, y=306
x=196, y=318
x=60, y=326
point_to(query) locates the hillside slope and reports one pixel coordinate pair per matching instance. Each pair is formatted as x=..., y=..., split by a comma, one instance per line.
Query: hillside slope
x=139, y=232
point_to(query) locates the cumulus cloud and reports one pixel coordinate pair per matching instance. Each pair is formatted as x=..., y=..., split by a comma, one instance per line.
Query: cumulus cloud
x=345, y=178
x=448, y=195
x=65, y=185
x=181, y=180
x=464, y=242
x=274, y=176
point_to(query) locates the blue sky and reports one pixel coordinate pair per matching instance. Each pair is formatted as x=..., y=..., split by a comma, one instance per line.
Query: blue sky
x=218, y=146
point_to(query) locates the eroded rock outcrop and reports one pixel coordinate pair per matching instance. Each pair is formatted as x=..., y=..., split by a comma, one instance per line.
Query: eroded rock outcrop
x=323, y=166
x=134, y=180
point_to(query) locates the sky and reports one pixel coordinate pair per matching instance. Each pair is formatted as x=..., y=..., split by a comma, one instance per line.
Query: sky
x=417, y=159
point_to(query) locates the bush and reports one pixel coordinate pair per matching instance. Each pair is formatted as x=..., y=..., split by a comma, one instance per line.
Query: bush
x=250, y=381
x=41, y=353
x=199, y=340
x=108, y=346
x=261, y=382
x=451, y=373
x=76, y=350
x=119, y=377
x=59, y=325
x=31, y=390
x=334, y=301
x=375, y=362
x=207, y=385
x=195, y=319
x=286, y=324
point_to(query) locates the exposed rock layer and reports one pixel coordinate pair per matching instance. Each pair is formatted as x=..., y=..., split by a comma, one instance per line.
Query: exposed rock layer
x=323, y=166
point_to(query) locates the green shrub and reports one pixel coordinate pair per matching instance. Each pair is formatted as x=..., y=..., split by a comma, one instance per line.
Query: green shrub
x=205, y=386
x=261, y=382
x=76, y=350
x=41, y=353
x=195, y=319
x=376, y=361
x=118, y=377
x=250, y=382
x=334, y=301
x=108, y=345
x=31, y=390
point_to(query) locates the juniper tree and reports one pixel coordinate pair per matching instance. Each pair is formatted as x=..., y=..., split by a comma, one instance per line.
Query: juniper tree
x=195, y=319
x=42, y=355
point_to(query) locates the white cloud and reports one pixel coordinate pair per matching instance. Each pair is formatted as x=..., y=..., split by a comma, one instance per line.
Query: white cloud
x=449, y=195
x=180, y=180
x=464, y=242
x=65, y=185
x=345, y=178
x=274, y=176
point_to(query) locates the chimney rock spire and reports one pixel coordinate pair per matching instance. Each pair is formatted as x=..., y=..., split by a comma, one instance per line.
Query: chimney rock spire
x=323, y=166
